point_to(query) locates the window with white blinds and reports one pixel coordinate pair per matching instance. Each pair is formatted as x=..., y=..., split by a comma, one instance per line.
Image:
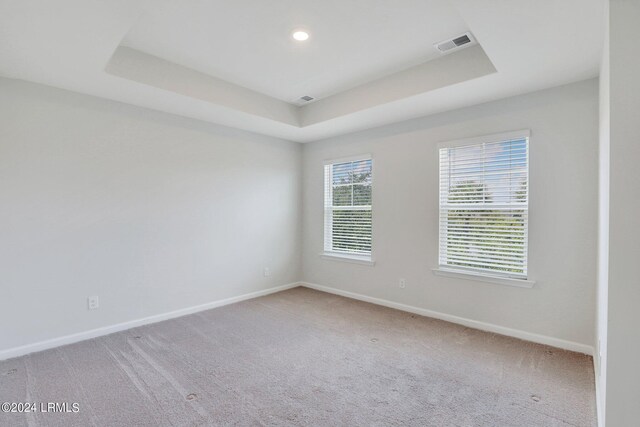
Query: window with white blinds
x=347, y=207
x=484, y=206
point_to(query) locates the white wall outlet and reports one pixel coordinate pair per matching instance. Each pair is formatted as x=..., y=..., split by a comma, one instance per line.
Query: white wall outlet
x=402, y=283
x=267, y=272
x=93, y=303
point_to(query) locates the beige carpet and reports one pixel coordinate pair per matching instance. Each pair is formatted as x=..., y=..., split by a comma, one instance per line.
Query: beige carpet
x=303, y=357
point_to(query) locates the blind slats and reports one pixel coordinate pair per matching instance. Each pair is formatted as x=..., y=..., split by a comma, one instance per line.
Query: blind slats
x=347, y=205
x=484, y=206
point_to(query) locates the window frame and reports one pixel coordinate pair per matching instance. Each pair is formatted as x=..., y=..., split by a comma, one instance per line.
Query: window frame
x=460, y=272
x=329, y=252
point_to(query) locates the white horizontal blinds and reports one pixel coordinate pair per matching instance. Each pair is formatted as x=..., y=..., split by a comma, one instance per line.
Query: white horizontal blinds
x=484, y=207
x=348, y=207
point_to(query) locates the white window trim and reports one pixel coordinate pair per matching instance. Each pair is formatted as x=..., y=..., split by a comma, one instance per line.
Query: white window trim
x=346, y=256
x=504, y=136
x=366, y=156
x=353, y=259
x=481, y=277
x=460, y=273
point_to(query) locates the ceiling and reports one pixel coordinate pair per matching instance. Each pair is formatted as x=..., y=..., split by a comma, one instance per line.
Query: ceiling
x=249, y=42
x=367, y=62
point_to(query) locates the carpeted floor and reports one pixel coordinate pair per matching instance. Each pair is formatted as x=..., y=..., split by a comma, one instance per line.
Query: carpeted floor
x=303, y=357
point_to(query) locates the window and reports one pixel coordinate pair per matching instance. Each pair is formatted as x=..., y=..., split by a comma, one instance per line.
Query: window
x=347, y=208
x=484, y=205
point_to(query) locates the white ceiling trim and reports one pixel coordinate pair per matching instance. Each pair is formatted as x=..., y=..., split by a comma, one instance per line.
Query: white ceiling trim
x=147, y=69
x=444, y=71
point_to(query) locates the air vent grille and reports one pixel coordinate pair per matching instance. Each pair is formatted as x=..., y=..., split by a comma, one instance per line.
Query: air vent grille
x=306, y=98
x=459, y=41
x=463, y=40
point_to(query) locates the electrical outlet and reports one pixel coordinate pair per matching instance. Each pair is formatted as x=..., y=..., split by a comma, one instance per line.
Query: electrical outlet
x=402, y=283
x=93, y=303
x=267, y=272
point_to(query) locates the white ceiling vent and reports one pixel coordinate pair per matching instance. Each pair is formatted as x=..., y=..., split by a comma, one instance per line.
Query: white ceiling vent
x=458, y=42
x=304, y=100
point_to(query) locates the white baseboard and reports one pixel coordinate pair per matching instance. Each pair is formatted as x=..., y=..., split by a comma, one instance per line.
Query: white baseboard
x=81, y=336
x=502, y=330
x=106, y=330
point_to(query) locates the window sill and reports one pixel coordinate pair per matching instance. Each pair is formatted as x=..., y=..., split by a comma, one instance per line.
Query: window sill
x=467, y=275
x=354, y=259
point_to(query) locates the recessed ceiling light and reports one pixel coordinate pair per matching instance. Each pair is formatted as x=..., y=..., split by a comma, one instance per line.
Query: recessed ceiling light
x=300, y=35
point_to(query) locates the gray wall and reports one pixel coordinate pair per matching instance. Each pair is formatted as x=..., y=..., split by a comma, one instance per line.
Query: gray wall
x=600, y=354
x=149, y=211
x=623, y=374
x=155, y=213
x=563, y=214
